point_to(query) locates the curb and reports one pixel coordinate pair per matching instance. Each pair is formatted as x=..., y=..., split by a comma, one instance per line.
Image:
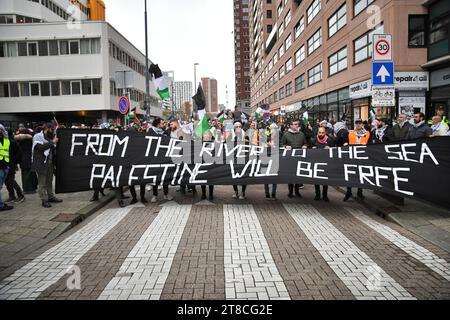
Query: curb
x=89, y=210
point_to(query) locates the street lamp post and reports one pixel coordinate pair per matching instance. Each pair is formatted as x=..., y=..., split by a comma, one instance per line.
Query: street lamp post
x=195, y=85
x=147, y=76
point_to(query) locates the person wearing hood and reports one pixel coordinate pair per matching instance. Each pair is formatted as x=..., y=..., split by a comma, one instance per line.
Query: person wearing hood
x=420, y=129
x=294, y=139
x=384, y=133
x=43, y=157
x=5, y=144
x=24, y=138
x=341, y=132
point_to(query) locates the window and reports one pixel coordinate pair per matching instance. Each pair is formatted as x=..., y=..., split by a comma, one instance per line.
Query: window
x=281, y=51
x=53, y=47
x=275, y=59
x=299, y=27
x=300, y=55
x=2, y=49
x=314, y=42
x=439, y=30
x=12, y=49
x=76, y=87
x=338, y=61
x=45, y=88
x=280, y=29
x=22, y=49
x=87, y=86
x=64, y=48
x=300, y=83
x=25, y=89
x=85, y=46
x=14, y=89
x=269, y=14
x=313, y=10
x=363, y=45
x=65, y=85
x=337, y=21
x=43, y=48
x=288, y=42
x=315, y=74
x=74, y=47
x=32, y=48
x=280, y=9
x=416, y=31
x=287, y=19
x=34, y=89
x=282, y=72
x=55, y=88
x=360, y=5
x=289, y=89
x=281, y=93
x=289, y=65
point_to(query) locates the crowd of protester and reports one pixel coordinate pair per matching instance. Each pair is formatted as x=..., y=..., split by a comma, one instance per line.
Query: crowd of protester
x=33, y=150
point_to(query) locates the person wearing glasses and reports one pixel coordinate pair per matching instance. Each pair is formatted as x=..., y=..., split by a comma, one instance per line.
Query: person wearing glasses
x=294, y=138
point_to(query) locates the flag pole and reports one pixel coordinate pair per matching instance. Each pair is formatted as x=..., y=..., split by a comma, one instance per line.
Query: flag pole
x=147, y=78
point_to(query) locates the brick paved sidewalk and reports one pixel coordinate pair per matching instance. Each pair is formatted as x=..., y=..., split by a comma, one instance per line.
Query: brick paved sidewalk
x=29, y=226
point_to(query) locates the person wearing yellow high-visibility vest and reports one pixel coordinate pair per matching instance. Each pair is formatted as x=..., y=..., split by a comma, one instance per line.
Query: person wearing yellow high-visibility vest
x=4, y=164
x=440, y=113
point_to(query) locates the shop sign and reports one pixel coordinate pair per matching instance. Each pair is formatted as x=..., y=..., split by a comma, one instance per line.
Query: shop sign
x=412, y=80
x=440, y=78
x=361, y=90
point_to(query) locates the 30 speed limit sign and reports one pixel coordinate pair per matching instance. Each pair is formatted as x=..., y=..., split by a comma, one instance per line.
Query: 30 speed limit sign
x=382, y=47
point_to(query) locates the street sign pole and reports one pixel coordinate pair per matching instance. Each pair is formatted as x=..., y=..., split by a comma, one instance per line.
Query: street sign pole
x=147, y=77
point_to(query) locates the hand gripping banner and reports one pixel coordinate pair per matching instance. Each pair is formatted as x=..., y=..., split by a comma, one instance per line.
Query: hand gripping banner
x=92, y=159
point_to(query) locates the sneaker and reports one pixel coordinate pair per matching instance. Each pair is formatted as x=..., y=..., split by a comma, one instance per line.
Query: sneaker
x=360, y=196
x=144, y=201
x=168, y=197
x=268, y=196
x=302, y=186
x=211, y=198
x=235, y=196
x=298, y=194
x=55, y=200
x=20, y=199
x=121, y=203
x=93, y=199
x=242, y=197
x=347, y=197
x=46, y=204
x=203, y=197
x=290, y=195
x=325, y=198
x=6, y=207
x=154, y=199
x=11, y=199
x=317, y=198
x=133, y=201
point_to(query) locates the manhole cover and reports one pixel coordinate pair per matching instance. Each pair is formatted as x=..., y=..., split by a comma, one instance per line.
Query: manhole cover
x=66, y=217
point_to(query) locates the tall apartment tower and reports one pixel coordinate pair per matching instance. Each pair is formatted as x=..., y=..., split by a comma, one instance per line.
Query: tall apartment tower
x=315, y=56
x=210, y=88
x=182, y=93
x=242, y=53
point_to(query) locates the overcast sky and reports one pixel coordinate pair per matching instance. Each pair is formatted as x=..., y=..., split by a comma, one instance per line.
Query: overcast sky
x=182, y=32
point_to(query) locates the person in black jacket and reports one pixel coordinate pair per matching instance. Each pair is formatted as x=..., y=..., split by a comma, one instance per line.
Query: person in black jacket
x=43, y=157
x=11, y=183
x=322, y=141
x=384, y=133
x=24, y=138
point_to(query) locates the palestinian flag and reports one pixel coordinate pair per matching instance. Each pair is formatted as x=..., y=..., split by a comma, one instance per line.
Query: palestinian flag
x=160, y=82
x=221, y=117
x=372, y=114
x=200, y=105
x=306, y=118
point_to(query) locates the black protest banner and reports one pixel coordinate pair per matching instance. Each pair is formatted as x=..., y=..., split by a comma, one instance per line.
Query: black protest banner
x=88, y=159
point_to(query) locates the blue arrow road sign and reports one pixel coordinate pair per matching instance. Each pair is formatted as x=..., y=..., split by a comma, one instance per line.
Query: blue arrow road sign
x=383, y=73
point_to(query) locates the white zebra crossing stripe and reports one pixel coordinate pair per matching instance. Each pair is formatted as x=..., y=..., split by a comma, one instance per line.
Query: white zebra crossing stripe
x=35, y=277
x=432, y=261
x=364, y=278
x=250, y=271
x=145, y=270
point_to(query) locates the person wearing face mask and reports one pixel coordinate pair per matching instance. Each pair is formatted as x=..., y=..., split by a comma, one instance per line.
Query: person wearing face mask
x=420, y=129
x=43, y=157
x=322, y=141
x=400, y=130
x=5, y=144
